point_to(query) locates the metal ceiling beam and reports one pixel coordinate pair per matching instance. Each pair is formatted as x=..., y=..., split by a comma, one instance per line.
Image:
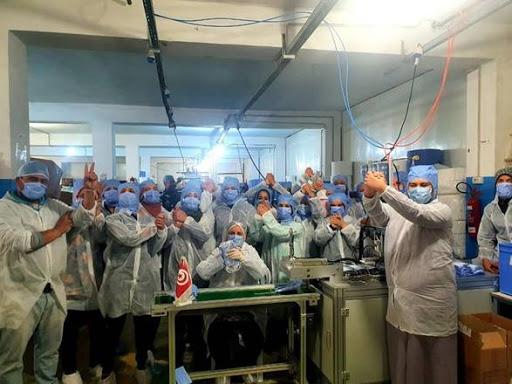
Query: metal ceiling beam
x=290, y=49
x=468, y=18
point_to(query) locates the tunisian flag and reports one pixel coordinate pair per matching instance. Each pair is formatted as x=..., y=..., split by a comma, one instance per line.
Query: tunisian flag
x=183, y=284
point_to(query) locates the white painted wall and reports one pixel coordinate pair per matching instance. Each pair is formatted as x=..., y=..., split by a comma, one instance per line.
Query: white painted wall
x=303, y=149
x=382, y=116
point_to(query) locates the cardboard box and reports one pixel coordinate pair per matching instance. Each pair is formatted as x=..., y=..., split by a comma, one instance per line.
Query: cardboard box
x=483, y=351
x=506, y=325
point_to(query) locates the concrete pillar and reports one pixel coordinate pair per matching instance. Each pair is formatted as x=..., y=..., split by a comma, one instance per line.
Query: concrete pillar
x=14, y=128
x=145, y=164
x=103, y=147
x=132, y=161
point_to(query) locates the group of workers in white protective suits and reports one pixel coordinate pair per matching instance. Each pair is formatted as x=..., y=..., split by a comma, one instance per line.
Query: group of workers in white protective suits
x=105, y=257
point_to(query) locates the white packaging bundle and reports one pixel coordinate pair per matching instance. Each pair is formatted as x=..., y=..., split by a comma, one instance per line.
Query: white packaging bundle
x=449, y=178
x=457, y=204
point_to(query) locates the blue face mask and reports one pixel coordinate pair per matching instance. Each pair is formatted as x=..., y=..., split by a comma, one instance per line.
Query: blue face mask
x=340, y=211
x=34, y=191
x=341, y=188
x=190, y=204
x=304, y=211
x=128, y=201
x=504, y=190
x=151, y=197
x=111, y=197
x=421, y=195
x=284, y=214
x=230, y=196
x=237, y=240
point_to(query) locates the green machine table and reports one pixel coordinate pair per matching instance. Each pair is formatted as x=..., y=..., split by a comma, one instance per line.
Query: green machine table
x=300, y=300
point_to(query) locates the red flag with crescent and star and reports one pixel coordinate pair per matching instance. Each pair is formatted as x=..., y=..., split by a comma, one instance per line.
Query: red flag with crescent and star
x=183, y=283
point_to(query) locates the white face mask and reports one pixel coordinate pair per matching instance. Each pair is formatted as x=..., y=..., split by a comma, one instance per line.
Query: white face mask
x=421, y=195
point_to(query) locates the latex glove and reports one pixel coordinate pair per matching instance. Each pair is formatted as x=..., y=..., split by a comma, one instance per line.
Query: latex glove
x=490, y=266
x=262, y=208
x=178, y=215
x=160, y=222
x=236, y=254
x=374, y=182
x=270, y=180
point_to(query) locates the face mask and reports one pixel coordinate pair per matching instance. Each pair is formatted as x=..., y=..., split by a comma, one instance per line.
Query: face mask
x=421, y=195
x=151, y=197
x=284, y=214
x=190, y=204
x=128, y=201
x=111, y=197
x=237, y=240
x=304, y=211
x=504, y=190
x=230, y=196
x=340, y=211
x=34, y=191
x=341, y=188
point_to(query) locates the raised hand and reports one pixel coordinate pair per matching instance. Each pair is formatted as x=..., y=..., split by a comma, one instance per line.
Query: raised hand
x=262, y=208
x=270, y=180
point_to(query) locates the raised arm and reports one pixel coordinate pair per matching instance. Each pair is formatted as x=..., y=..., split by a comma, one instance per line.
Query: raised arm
x=126, y=236
x=213, y=264
x=433, y=215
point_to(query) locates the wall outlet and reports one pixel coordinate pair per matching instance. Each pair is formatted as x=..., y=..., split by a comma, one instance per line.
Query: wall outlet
x=477, y=180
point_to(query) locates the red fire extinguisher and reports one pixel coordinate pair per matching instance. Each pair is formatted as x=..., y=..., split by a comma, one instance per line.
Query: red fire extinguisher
x=473, y=214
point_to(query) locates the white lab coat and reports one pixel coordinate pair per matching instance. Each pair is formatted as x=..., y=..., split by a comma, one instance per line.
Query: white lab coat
x=252, y=270
x=419, y=267
x=194, y=240
x=132, y=273
x=338, y=244
x=25, y=267
x=276, y=244
x=494, y=229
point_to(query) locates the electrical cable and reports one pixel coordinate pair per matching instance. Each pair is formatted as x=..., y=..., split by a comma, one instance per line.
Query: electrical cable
x=396, y=172
x=248, y=152
x=406, y=109
x=399, y=142
x=469, y=188
x=241, y=22
x=155, y=50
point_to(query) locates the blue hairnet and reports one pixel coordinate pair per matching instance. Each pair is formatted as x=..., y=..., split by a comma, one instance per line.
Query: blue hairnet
x=270, y=195
x=254, y=182
x=231, y=181
x=135, y=187
x=190, y=187
x=339, y=196
x=402, y=176
x=286, y=199
x=34, y=168
x=110, y=183
x=340, y=178
x=329, y=187
x=146, y=183
x=426, y=172
x=360, y=185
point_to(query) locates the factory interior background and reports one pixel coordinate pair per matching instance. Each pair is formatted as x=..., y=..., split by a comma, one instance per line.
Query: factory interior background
x=79, y=85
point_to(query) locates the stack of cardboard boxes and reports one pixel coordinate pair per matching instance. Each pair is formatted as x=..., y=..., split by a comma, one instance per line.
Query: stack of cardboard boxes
x=485, y=349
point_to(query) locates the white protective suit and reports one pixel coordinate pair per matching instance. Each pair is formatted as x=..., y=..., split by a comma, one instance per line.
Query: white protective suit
x=25, y=266
x=252, y=271
x=132, y=273
x=418, y=259
x=276, y=244
x=338, y=244
x=194, y=240
x=494, y=229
